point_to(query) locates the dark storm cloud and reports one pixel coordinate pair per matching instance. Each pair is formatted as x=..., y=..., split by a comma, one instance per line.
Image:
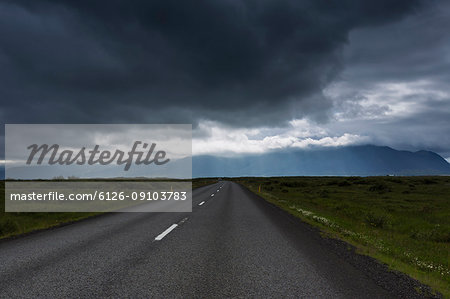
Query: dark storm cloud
x=415, y=48
x=395, y=87
x=239, y=62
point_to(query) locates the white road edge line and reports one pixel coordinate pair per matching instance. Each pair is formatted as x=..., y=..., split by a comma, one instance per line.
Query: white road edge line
x=164, y=233
x=201, y=203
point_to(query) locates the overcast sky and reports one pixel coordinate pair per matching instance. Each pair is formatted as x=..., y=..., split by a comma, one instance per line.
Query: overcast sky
x=251, y=76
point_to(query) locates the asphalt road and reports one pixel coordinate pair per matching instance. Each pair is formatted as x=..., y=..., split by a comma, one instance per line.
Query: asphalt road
x=233, y=244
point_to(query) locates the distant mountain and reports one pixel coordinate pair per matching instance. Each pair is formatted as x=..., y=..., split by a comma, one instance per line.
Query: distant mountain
x=366, y=160
x=176, y=169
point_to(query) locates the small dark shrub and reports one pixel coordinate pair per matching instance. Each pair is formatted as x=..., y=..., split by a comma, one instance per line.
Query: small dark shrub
x=395, y=180
x=341, y=207
x=324, y=193
x=293, y=184
x=344, y=184
x=380, y=188
x=376, y=220
x=428, y=182
x=361, y=182
x=435, y=235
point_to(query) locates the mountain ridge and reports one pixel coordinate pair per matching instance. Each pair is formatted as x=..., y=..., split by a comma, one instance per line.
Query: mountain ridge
x=358, y=160
x=363, y=160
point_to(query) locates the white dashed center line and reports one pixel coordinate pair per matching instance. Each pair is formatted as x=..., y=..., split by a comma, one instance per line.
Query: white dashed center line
x=212, y=194
x=164, y=233
x=201, y=203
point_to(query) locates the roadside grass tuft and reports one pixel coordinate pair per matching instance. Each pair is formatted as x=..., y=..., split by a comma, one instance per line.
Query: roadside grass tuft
x=8, y=226
x=376, y=220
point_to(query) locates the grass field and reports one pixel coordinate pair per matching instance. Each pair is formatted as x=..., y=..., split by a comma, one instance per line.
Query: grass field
x=12, y=224
x=402, y=221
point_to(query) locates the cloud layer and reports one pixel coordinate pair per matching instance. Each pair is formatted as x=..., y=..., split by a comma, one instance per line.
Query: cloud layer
x=238, y=62
x=250, y=75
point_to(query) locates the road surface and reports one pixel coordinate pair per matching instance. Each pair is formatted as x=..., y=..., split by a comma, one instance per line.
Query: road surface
x=233, y=244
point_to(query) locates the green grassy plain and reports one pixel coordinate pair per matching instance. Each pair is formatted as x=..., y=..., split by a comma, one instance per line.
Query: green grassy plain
x=402, y=221
x=12, y=224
